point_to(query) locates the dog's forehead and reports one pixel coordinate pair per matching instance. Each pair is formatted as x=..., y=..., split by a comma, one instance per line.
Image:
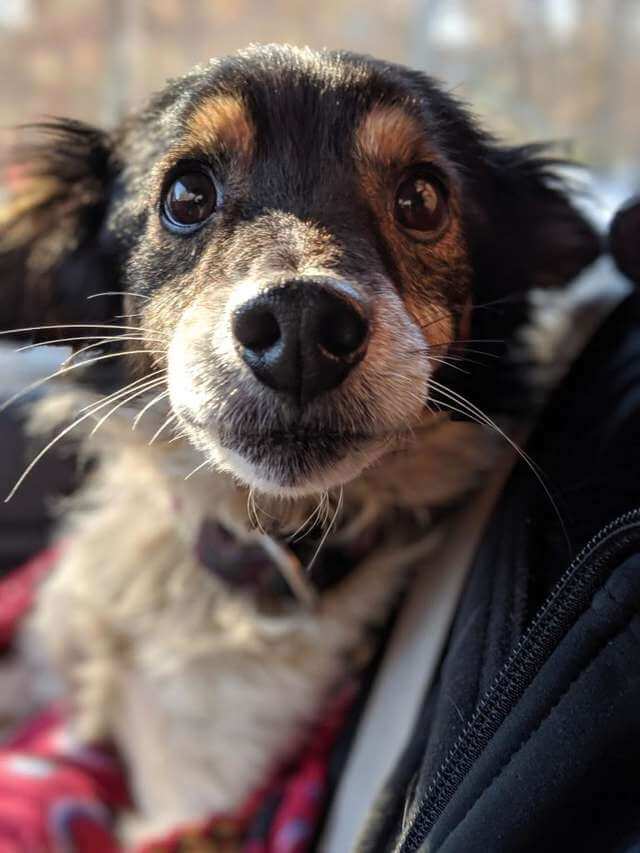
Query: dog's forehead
x=300, y=104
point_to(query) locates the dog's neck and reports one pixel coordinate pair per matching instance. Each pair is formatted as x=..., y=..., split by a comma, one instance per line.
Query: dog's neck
x=307, y=545
x=394, y=500
x=433, y=469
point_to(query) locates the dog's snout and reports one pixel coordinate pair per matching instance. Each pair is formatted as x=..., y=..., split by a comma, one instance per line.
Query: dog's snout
x=301, y=338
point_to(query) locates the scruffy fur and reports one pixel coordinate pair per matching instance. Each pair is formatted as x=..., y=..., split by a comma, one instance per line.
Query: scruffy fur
x=204, y=688
x=160, y=655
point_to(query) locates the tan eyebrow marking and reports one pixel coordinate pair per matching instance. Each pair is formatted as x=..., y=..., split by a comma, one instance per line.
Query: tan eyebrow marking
x=388, y=134
x=222, y=122
x=388, y=139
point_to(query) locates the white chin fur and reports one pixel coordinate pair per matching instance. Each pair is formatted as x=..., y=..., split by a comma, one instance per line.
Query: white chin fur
x=266, y=481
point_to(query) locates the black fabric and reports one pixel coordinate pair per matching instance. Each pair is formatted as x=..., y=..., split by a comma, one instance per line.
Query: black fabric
x=488, y=622
x=588, y=448
x=562, y=769
x=382, y=824
x=563, y=772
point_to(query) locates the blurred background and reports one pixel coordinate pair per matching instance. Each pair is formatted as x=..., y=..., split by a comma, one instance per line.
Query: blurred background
x=567, y=70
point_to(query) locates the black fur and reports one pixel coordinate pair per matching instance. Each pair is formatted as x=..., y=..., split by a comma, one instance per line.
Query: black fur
x=53, y=253
x=93, y=231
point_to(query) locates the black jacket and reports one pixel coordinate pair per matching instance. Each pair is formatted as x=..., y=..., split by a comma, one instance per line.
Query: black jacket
x=529, y=740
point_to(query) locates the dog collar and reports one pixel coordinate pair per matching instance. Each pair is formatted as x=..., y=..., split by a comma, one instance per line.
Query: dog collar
x=270, y=569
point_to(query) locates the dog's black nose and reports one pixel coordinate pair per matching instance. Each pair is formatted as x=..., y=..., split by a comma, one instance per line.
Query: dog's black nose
x=302, y=337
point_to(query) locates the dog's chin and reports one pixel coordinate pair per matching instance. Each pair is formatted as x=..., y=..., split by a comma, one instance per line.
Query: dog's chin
x=289, y=465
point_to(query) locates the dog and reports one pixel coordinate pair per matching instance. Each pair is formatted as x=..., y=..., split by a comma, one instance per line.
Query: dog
x=321, y=279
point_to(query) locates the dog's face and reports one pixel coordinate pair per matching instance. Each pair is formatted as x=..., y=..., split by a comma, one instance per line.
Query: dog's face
x=304, y=252
x=302, y=237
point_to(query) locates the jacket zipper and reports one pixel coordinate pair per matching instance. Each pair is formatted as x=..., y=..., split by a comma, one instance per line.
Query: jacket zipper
x=569, y=598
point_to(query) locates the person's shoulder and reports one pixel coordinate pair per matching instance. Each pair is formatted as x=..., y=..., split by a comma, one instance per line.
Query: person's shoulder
x=624, y=239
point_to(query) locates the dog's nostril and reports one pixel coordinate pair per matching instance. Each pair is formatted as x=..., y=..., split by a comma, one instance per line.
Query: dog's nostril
x=256, y=328
x=341, y=330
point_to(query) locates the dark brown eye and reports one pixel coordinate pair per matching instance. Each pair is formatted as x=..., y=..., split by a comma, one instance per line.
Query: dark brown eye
x=189, y=201
x=421, y=201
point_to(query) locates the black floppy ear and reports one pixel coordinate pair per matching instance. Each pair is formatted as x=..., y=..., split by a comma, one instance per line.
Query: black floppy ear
x=524, y=233
x=53, y=255
x=531, y=234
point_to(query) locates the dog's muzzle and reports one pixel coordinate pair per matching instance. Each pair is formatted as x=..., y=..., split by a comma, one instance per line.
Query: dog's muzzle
x=302, y=337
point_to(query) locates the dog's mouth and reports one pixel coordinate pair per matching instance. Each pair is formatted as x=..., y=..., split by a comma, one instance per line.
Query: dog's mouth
x=279, y=438
x=292, y=457
x=294, y=441
x=295, y=458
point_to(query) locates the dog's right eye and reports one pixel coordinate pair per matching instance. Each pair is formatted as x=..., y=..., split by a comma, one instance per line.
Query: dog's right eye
x=421, y=206
x=189, y=200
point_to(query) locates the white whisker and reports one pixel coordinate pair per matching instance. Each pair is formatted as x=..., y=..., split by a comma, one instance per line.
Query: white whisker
x=170, y=419
x=69, y=326
x=447, y=362
x=118, y=293
x=147, y=386
x=252, y=512
x=312, y=519
x=101, y=341
x=100, y=338
x=482, y=418
x=52, y=443
x=115, y=394
x=196, y=469
x=326, y=533
x=151, y=403
x=62, y=372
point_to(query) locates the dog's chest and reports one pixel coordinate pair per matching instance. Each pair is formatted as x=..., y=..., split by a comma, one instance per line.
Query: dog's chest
x=202, y=693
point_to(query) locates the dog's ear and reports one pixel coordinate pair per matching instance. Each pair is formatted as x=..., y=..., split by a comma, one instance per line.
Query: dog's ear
x=53, y=256
x=530, y=232
x=525, y=233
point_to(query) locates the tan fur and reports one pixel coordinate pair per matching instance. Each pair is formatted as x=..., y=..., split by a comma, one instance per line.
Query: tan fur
x=390, y=136
x=16, y=227
x=221, y=123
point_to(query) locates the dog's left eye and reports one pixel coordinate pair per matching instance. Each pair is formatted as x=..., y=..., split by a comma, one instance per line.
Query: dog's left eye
x=189, y=200
x=421, y=201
